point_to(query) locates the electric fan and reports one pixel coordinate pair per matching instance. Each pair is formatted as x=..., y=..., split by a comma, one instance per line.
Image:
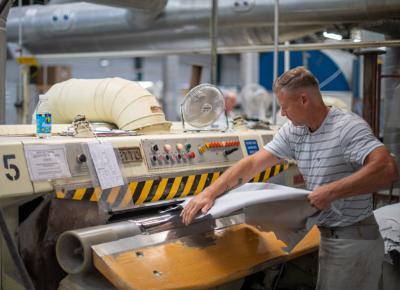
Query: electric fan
x=202, y=106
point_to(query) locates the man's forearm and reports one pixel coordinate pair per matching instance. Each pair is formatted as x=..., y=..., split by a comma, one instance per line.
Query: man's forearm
x=369, y=178
x=239, y=174
x=235, y=176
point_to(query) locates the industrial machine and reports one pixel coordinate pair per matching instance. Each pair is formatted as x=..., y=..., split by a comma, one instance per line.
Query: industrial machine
x=68, y=189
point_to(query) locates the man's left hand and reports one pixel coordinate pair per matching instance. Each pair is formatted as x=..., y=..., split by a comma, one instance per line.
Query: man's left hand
x=320, y=198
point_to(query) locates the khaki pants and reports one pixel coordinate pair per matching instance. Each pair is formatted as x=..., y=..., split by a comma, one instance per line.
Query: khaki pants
x=351, y=258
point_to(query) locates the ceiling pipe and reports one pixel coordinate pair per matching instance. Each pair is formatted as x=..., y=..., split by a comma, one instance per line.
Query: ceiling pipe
x=221, y=50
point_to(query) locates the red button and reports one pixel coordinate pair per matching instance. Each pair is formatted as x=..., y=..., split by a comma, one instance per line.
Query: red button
x=192, y=155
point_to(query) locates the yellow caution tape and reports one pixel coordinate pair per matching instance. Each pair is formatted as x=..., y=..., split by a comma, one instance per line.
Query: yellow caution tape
x=153, y=190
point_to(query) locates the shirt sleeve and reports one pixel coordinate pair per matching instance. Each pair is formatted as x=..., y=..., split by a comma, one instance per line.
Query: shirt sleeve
x=280, y=144
x=357, y=141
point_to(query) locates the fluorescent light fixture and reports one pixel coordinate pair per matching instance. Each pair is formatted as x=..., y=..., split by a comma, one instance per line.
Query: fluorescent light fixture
x=332, y=36
x=356, y=40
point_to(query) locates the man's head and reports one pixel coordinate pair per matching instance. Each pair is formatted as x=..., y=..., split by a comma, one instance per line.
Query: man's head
x=299, y=96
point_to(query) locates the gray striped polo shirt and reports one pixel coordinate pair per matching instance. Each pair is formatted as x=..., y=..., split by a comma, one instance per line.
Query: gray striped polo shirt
x=335, y=150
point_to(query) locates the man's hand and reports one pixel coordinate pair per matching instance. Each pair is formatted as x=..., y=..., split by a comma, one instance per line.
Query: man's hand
x=320, y=198
x=202, y=202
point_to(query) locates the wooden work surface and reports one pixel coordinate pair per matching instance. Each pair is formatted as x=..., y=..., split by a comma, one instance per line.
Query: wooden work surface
x=199, y=262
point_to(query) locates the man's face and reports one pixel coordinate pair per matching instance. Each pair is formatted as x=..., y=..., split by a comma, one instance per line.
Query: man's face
x=292, y=107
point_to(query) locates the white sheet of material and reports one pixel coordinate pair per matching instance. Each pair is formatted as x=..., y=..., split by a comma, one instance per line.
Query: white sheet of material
x=388, y=219
x=284, y=210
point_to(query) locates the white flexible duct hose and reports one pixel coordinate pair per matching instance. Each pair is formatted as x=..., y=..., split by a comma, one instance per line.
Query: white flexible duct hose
x=113, y=100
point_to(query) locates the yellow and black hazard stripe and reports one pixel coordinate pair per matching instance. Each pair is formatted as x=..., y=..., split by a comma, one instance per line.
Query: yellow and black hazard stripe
x=270, y=172
x=154, y=190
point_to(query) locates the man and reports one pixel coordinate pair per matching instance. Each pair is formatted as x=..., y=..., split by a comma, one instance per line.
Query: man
x=341, y=162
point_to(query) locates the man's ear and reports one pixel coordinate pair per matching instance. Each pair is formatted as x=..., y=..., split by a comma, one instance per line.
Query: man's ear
x=303, y=98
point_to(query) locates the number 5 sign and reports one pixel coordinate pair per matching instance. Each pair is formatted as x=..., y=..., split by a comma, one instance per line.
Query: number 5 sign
x=7, y=161
x=14, y=177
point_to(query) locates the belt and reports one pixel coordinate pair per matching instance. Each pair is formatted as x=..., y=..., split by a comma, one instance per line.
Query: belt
x=366, y=229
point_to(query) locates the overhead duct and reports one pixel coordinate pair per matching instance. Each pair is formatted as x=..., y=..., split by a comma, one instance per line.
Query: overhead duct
x=150, y=5
x=112, y=100
x=182, y=24
x=72, y=21
x=141, y=13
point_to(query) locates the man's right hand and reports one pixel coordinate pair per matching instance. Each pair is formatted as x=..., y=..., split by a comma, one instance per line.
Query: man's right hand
x=202, y=202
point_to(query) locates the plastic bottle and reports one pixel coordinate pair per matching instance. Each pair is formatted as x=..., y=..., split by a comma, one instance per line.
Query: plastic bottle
x=43, y=118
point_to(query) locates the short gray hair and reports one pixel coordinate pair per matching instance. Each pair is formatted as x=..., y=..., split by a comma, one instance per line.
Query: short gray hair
x=296, y=78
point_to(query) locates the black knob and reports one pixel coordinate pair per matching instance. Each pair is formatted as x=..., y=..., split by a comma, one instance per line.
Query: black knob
x=154, y=158
x=167, y=157
x=82, y=158
x=155, y=148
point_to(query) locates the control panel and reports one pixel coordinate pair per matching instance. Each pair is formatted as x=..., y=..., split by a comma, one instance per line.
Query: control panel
x=141, y=157
x=179, y=152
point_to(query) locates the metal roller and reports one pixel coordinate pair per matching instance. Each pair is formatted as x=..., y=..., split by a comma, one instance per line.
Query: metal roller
x=73, y=249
